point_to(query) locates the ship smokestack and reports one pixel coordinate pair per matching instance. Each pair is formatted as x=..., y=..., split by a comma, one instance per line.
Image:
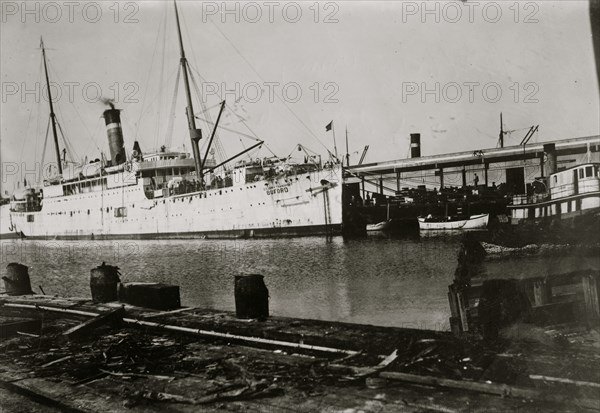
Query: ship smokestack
x=112, y=118
x=415, y=145
x=550, y=161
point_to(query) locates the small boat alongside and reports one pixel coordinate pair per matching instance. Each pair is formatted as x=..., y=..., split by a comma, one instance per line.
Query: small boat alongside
x=380, y=226
x=383, y=225
x=450, y=223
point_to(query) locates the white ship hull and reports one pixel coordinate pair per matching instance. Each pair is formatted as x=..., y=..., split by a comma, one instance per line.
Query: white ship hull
x=474, y=222
x=294, y=205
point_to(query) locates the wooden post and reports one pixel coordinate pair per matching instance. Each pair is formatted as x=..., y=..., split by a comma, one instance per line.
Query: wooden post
x=464, y=177
x=362, y=182
x=486, y=166
x=462, y=310
x=541, y=292
x=590, y=295
x=441, y=178
x=381, y=185
x=398, y=181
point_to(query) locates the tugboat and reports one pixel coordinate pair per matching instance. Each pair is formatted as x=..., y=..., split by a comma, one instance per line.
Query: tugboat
x=560, y=195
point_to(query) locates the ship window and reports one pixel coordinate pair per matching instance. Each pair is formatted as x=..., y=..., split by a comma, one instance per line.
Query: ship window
x=589, y=171
x=30, y=218
x=555, y=179
x=581, y=173
x=120, y=212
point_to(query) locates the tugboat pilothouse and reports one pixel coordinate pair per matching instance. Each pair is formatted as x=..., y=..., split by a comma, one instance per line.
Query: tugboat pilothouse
x=561, y=195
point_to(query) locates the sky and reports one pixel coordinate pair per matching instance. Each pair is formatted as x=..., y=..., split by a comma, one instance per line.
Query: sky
x=380, y=69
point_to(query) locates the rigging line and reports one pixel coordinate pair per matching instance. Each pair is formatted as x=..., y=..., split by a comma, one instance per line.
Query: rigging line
x=276, y=94
x=169, y=132
x=161, y=78
x=269, y=149
x=217, y=141
x=228, y=129
x=242, y=120
x=55, y=74
x=31, y=113
x=137, y=124
x=44, y=150
x=208, y=108
x=68, y=146
x=67, y=142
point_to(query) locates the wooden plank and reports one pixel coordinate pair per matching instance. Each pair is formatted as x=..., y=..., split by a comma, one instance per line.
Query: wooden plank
x=499, y=389
x=40, y=398
x=578, y=383
x=108, y=317
x=12, y=326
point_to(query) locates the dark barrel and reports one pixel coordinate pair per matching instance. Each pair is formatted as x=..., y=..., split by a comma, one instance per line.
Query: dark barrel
x=16, y=281
x=103, y=283
x=251, y=297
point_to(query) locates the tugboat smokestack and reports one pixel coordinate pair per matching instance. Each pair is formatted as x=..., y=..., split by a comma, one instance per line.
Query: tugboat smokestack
x=415, y=145
x=112, y=118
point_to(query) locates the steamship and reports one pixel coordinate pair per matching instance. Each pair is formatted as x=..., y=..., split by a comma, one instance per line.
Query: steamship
x=560, y=195
x=171, y=194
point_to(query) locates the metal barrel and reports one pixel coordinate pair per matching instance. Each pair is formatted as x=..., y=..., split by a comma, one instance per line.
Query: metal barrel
x=103, y=283
x=251, y=297
x=16, y=281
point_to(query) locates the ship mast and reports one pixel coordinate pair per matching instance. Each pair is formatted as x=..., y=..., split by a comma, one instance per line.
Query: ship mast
x=52, y=116
x=195, y=134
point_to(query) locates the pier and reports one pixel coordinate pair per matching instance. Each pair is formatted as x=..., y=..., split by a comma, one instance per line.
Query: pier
x=105, y=354
x=470, y=182
x=385, y=177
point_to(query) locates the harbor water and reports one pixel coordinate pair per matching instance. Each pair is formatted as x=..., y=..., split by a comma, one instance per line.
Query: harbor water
x=381, y=280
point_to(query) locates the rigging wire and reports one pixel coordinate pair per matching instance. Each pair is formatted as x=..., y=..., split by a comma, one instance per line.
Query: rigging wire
x=89, y=136
x=200, y=99
x=169, y=132
x=137, y=124
x=39, y=115
x=44, y=151
x=217, y=141
x=260, y=77
x=161, y=77
x=228, y=129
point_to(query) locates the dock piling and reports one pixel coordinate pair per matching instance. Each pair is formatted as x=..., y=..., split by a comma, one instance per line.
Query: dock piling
x=103, y=283
x=16, y=281
x=251, y=297
x=590, y=295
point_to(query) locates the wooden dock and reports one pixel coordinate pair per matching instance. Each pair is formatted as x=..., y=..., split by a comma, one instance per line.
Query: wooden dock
x=75, y=355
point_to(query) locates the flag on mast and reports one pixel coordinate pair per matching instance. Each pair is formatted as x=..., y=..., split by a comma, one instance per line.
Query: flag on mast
x=328, y=128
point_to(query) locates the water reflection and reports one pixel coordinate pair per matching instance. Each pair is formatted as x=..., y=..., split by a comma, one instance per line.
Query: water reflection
x=377, y=280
